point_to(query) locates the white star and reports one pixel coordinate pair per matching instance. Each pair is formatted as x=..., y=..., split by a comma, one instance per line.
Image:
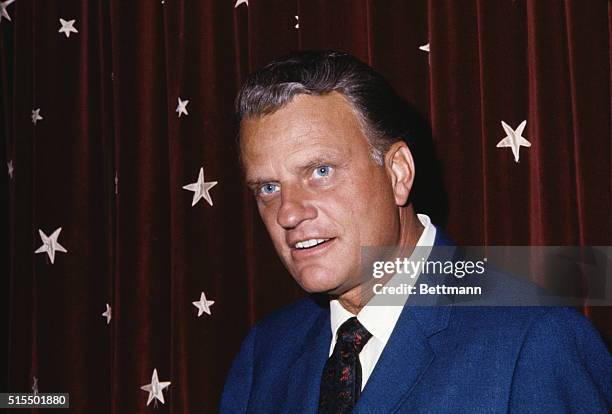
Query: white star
x=36, y=116
x=201, y=189
x=297, y=22
x=108, y=314
x=67, y=27
x=514, y=139
x=239, y=2
x=50, y=244
x=203, y=305
x=4, y=11
x=34, y=385
x=9, y=166
x=182, y=107
x=424, y=48
x=155, y=388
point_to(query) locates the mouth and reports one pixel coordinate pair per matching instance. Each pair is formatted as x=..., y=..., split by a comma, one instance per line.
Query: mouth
x=306, y=248
x=308, y=244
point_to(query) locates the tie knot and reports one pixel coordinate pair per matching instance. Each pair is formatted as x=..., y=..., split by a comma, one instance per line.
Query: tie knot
x=354, y=333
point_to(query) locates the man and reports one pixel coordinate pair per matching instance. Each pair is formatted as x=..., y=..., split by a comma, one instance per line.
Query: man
x=323, y=143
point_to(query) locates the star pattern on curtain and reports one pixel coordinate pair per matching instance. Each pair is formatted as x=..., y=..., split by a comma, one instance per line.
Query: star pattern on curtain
x=34, y=385
x=108, y=313
x=155, y=388
x=201, y=189
x=67, y=27
x=4, y=10
x=35, y=116
x=203, y=305
x=50, y=244
x=181, y=108
x=514, y=139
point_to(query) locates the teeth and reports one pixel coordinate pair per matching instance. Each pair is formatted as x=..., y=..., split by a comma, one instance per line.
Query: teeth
x=309, y=243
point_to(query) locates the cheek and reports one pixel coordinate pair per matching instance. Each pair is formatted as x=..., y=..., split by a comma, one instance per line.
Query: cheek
x=374, y=214
x=343, y=206
x=268, y=216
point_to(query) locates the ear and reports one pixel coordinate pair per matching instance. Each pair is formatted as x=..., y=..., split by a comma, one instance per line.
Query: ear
x=400, y=168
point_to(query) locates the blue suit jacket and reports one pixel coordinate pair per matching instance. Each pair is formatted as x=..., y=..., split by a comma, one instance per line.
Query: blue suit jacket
x=439, y=359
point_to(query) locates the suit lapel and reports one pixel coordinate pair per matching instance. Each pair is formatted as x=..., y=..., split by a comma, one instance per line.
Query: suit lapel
x=404, y=360
x=305, y=382
x=407, y=355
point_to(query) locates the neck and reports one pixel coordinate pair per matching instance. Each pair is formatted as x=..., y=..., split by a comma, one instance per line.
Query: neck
x=410, y=231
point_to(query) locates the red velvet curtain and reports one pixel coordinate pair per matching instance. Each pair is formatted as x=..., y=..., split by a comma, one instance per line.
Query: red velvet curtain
x=108, y=160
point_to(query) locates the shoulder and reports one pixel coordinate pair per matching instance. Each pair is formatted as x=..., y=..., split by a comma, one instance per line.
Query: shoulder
x=562, y=328
x=558, y=326
x=535, y=335
x=563, y=356
x=554, y=350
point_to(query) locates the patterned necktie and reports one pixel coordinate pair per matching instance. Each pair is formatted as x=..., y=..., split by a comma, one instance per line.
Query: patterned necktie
x=341, y=381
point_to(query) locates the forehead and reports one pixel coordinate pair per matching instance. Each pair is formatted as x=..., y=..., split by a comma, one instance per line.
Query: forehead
x=308, y=124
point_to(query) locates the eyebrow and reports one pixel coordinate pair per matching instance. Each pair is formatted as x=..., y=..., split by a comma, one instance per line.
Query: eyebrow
x=254, y=184
x=318, y=160
x=311, y=163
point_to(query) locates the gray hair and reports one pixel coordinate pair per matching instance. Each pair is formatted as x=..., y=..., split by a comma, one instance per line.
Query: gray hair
x=378, y=108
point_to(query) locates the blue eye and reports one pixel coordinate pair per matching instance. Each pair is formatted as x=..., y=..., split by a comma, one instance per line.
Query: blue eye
x=322, y=171
x=267, y=189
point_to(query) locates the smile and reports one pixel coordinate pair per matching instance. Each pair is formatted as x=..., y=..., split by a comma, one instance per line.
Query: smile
x=306, y=244
x=311, y=248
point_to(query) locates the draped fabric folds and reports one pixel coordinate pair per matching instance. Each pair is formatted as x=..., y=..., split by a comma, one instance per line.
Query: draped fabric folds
x=108, y=160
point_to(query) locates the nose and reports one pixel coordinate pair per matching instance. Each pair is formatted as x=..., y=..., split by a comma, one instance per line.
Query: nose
x=296, y=207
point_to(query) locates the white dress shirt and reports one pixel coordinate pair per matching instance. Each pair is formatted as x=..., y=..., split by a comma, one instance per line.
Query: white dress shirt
x=379, y=320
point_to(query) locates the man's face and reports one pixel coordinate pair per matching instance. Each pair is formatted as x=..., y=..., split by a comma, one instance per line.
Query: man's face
x=310, y=167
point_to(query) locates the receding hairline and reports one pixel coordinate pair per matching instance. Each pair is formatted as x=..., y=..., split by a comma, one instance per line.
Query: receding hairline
x=363, y=124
